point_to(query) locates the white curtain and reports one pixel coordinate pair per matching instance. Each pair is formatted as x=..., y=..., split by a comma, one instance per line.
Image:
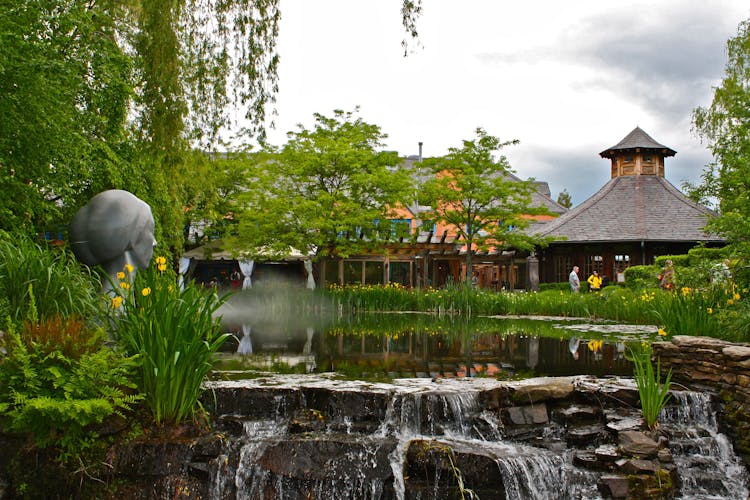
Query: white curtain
x=246, y=267
x=184, y=266
x=246, y=343
x=310, y=277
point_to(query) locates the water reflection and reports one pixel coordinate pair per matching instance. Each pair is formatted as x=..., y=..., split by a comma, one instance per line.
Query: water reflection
x=419, y=345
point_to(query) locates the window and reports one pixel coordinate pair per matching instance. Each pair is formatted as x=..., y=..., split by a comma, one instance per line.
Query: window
x=648, y=158
x=400, y=228
x=622, y=262
x=373, y=273
x=594, y=263
x=563, y=267
x=627, y=158
x=353, y=272
x=400, y=272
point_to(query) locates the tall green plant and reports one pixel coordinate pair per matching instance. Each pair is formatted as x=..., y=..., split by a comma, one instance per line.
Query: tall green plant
x=50, y=281
x=653, y=394
x=175, y=334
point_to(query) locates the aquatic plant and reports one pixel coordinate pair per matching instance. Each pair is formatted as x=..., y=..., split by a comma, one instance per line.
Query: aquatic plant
x=653, y=394
x=175, y=335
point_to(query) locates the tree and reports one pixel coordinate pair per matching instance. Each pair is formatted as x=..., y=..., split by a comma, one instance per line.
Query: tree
x=321, y=191
x=725, y=125
x=479, y=197
x=564, y=199
x=65, y=86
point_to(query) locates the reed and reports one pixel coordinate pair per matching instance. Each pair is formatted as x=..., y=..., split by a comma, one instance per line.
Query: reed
x=653, y=394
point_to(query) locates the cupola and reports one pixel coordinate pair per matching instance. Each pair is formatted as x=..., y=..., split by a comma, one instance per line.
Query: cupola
x=637, y=154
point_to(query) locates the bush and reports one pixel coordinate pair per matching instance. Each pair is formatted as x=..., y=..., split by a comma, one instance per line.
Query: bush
x=638, y=277
x=57, y=380
x=682, y=260
x=562, y=286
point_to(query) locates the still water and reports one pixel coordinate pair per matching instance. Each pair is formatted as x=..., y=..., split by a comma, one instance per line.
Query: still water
x=398, y=345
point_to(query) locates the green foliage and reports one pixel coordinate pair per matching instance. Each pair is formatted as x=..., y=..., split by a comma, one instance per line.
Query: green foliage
x=320, y=191
x=682, y=260
x=42, y=283
x=653, y=394
x=64, y=91
x=685, y=311
x=479, y=197
x=174, y=334
x=639, y=277
x=725, y=125
x=564, y=199
x=55, y=393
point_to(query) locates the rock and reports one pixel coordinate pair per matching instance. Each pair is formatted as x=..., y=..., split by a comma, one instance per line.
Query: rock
x=637, y=444
x=576, y=414
x=614, y=486
x=539, y=389
x=587, y=435
x=527, y=415
x=737, y=353
x=636, y=466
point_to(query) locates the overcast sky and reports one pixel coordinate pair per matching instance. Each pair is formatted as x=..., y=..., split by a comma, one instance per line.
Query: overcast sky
x=567, y=79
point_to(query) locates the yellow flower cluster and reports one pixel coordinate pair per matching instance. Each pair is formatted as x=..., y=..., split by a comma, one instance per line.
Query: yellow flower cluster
x=662, y=332
x=595, y=345
x=161, y=264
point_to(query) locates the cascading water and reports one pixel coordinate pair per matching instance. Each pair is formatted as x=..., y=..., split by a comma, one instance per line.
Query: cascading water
x=394, y=438
x=709, y=467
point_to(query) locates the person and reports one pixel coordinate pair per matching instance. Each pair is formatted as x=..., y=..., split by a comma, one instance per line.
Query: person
x=720, y=273
x=595, y=282
x=575, y=282
x=666, y=278
x=235, y=279
x=573, y=345
x=605, y=281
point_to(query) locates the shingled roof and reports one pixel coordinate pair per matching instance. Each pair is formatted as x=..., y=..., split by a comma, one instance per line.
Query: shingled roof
x=637, y=139
x=632, y=208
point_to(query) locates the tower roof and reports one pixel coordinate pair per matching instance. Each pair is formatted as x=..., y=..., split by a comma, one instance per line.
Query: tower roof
x=633, y=208
x=637, y=139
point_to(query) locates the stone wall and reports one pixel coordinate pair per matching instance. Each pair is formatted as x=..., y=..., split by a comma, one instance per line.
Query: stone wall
x=704, y=362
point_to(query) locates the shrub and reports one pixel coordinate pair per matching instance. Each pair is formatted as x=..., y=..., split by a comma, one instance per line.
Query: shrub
x=57, y=380
x=682, y=260
x=637, y=277
x=175, y=335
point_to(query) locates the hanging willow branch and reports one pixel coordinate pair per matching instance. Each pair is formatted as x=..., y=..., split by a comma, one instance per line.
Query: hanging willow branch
x=226, y=59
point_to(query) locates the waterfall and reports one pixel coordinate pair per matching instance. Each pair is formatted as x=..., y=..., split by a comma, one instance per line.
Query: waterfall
x=709, y=468
x=420, y=439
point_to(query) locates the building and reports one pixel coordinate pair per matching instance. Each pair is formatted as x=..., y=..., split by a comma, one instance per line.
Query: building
x=635, y=217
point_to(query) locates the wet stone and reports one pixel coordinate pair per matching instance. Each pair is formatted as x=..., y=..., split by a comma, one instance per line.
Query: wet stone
x=587, y=435
x=614, y=486
x=576, y=414
x=607, y=454
x=527, y=415
x=637, y=444
x=636, y=466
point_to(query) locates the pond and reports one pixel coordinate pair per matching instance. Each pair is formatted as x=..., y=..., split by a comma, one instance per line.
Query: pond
x=405, y=345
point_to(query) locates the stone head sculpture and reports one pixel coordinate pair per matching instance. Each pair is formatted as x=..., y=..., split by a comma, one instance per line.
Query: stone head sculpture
x=114, y=229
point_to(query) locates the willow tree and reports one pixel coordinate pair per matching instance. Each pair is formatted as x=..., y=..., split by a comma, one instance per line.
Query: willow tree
x=65, y=86
x=476, y=194
x=116, y=93
x=199, y=61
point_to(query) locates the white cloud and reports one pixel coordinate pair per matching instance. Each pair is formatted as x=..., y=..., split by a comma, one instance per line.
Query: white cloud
x=567, y=79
